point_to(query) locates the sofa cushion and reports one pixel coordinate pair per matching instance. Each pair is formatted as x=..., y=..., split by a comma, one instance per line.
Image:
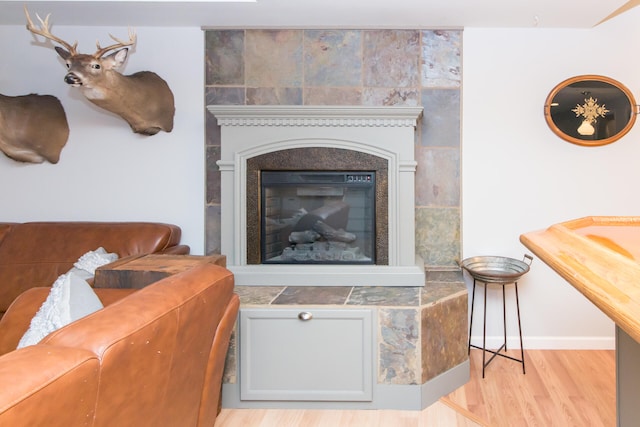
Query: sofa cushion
x=70, y=299
x=88, y=263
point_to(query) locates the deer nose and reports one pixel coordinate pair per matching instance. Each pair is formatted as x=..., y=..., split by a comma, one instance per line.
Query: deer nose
x=72, y=79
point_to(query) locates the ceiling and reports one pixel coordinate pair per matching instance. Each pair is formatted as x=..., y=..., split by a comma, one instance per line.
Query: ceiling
x=320, y=13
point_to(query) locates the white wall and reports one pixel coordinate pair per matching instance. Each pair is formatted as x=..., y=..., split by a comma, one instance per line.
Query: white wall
x=518, y=176
x=106, y=172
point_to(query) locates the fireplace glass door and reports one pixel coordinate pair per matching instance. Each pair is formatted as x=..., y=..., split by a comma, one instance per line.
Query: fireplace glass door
x=312, y=217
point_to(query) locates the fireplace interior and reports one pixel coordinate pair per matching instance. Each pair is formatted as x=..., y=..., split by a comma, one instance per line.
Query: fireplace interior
x=313, y=217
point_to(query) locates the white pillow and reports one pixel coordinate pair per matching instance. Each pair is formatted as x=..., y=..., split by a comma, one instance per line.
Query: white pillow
x=70, y=298
x=87, y=263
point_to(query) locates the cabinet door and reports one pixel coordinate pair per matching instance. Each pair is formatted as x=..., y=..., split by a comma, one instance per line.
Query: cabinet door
x=306, y=354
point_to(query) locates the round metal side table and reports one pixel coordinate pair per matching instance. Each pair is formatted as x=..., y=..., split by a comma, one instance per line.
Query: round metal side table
x=500, y=271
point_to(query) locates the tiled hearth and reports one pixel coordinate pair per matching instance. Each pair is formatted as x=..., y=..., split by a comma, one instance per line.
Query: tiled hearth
x=422, y=331
x=403, y=312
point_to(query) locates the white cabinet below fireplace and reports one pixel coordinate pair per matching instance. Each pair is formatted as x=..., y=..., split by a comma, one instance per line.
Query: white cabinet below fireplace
x=306, y=354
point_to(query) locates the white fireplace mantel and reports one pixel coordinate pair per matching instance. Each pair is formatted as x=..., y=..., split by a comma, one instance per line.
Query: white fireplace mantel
x=386, y=132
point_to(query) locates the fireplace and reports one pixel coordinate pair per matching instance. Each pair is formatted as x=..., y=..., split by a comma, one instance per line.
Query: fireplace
x=317, y=217
x=319, y=195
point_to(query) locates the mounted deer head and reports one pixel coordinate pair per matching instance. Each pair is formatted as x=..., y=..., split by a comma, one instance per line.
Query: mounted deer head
x=33, y=128
x=143, y=99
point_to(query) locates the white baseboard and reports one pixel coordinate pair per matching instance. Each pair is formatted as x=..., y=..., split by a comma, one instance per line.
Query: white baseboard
x=550, y=343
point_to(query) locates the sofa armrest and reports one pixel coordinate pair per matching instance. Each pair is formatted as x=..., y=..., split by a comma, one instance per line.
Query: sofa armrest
x=17, y=318
x=211, y=402
x=45, y=385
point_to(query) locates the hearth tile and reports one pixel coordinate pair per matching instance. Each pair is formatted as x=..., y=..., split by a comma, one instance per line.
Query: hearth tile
x=385, y=58
x=212, y=229
x=314, y=295
x=440, y=124
x=441, y=59
x=398, y=341
x=273, y=58
x=274, y=96
x=434, y=292
x=224, y=96
x=385, y=296
x=438, y=182
x=444, y=276
x=444, y=336
x=438, y=236
x=333, y=58
x=230, y=375
x=224, y=57
x=258, y=295
x=391, y=96
x=333, y=96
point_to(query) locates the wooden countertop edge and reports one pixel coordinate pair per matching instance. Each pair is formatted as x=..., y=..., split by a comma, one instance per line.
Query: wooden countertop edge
x=607, y=279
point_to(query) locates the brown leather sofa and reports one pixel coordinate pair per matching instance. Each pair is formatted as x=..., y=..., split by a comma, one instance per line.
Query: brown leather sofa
x=34, y=254
x=150, y=357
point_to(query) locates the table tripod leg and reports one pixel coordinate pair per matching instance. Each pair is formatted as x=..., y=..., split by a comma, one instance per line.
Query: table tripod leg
x=473, y=298
x=519, y=328
x=484, y=330
x=504, y=318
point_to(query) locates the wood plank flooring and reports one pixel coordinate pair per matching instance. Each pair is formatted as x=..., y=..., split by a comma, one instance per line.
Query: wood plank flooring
x=437, y=415
x=561, y=388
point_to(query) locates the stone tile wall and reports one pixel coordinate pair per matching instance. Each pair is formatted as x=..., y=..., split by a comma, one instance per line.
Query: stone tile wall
x=351, y=67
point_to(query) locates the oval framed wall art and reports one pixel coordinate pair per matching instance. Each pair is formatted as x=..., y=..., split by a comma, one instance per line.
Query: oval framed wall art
x=590, y=110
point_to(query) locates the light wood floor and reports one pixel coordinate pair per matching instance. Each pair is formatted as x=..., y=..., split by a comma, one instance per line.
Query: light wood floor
x=561, y=388
x=437, y=415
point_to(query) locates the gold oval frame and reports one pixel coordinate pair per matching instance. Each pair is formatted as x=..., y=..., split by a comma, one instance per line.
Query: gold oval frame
x=607, y=104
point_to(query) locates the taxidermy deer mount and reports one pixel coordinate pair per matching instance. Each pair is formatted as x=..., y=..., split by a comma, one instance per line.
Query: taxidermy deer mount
x=33, y=128
x=143, y=99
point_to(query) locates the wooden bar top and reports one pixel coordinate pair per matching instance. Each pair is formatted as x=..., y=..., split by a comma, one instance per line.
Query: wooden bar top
x=600, y=257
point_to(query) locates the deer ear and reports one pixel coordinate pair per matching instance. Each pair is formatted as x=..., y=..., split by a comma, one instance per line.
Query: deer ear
x=116, y=59
x=63, y=53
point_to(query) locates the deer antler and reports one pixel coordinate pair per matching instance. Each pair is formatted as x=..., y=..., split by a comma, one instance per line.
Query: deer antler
x=102, y=50
x=44, y=32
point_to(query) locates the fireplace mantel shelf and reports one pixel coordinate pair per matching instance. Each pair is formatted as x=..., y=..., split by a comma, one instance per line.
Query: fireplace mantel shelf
x=281, y=115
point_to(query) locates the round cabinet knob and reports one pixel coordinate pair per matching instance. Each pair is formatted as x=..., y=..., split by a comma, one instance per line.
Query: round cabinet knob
x=305, y=315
